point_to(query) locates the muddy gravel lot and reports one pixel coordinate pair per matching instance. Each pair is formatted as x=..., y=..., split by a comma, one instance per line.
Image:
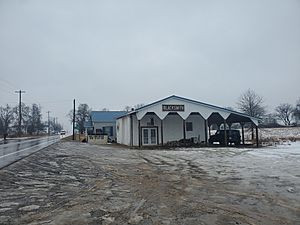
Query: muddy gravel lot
x=73, y=183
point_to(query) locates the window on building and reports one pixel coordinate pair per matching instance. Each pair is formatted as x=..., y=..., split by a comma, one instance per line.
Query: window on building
x=145, y=133
x=151, y=123
x=98, y=131
x=108, y=130
x=153, y=136
x=189, y=126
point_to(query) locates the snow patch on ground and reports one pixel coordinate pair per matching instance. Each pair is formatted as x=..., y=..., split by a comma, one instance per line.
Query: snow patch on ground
x=280, y=133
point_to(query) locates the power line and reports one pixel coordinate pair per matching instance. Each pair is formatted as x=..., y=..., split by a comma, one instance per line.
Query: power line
x=8, y=84
x=50, y=102
x=11, y=86
x=7, y=102
x=7, y=92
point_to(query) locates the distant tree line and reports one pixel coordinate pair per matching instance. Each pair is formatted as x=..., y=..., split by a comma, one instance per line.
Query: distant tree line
x=31, y=121
x=252, y=104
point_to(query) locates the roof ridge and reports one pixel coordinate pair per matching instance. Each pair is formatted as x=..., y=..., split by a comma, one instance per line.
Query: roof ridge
x=108, y=111
x=194, y=101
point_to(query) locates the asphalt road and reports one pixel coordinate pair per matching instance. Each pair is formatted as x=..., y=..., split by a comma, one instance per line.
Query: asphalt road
x=15, y=151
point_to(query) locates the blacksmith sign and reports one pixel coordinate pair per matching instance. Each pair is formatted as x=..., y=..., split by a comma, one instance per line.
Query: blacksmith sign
x=173, y=108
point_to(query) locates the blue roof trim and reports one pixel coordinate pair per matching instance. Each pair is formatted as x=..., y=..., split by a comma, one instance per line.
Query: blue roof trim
x=192, y=101
x=106, y=116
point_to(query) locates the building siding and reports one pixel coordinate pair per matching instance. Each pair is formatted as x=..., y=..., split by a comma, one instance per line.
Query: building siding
x=198, y=128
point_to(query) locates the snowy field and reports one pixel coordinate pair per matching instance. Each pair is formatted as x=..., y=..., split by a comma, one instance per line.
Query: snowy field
x=280, y=134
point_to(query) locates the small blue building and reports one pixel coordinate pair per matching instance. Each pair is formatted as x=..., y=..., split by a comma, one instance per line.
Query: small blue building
x=103, y=123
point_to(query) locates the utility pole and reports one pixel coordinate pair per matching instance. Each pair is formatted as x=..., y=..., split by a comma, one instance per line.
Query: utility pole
x=48, y=123
x=55, y=124
x=73, y=120
x=20, y=92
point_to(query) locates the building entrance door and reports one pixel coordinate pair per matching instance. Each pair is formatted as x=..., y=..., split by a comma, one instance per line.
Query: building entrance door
x=149, y=135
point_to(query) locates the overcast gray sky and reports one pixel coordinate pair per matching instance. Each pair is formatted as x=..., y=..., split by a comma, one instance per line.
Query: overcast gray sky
x=117, y=53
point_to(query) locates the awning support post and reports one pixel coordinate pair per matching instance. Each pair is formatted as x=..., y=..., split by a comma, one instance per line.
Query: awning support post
x=140, y=137
x=205, y=130
x=243, y=134
x=256, y=129
x=225, y=133
x=184, y=133
x=131, y=130
x=252, y=132
x=162, y=132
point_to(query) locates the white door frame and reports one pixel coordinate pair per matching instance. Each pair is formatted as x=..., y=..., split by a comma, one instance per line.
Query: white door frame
x=150, y=140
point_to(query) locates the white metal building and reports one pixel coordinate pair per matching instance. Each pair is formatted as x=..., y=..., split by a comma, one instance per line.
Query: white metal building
x=175, y=118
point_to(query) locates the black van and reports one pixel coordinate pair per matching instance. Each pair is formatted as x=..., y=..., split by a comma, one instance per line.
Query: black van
x=233, y=136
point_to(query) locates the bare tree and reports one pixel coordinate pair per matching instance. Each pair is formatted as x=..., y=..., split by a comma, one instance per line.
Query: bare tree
x=137, y=106
x=284, y=112
x=25, y=117
x=35, y=124
x=251, y=104
x=81, y=115
x=7, y=117
x=127, y=108
x=296, y=113
x=1, y=126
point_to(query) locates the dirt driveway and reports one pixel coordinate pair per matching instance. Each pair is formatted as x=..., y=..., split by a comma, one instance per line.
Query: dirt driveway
x=72, y=183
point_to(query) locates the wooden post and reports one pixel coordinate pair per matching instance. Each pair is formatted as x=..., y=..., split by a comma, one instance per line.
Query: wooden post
x=184, y=134
x=229, y=132
x=140, y=137
x=243, y=134
x=225, y=133
x=256, y=128
x=131, y=130
x=73, y=128
x=205, y=130
x=161, y=132
x=252, y=132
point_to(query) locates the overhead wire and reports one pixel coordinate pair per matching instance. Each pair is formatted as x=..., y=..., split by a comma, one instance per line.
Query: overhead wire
x=6, y=86
x=12, y=86
x=9, y=87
